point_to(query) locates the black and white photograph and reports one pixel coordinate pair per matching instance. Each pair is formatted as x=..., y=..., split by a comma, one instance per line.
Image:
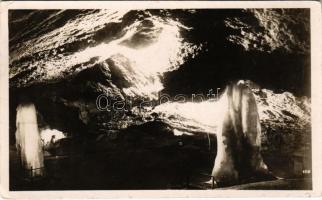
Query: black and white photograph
x=160, y=99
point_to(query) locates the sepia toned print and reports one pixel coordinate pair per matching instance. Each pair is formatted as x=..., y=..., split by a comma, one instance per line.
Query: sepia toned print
x=160, y=99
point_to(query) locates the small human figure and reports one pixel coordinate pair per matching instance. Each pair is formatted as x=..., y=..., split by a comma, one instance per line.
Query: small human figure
x=51, y=145
x=52, y=140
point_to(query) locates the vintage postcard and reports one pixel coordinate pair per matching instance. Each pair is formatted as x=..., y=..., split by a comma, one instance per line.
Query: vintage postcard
x=160, y=99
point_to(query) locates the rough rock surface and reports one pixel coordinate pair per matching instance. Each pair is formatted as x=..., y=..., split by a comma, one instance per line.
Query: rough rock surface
x=70, y=57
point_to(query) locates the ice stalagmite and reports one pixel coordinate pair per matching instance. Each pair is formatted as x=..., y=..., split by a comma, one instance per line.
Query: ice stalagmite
x=28, y=140
x=238, y=138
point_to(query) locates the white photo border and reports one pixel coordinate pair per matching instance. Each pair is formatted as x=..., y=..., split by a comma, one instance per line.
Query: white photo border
x=316, y=96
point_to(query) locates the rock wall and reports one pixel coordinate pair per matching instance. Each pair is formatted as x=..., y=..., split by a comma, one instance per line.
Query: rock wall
x=65, y=59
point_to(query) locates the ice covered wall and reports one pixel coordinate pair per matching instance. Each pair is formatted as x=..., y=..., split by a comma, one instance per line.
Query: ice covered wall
x=65, y=59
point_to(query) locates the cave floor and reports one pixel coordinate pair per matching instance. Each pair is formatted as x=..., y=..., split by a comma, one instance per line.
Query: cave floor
x=166, y=168
x=126, y=169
